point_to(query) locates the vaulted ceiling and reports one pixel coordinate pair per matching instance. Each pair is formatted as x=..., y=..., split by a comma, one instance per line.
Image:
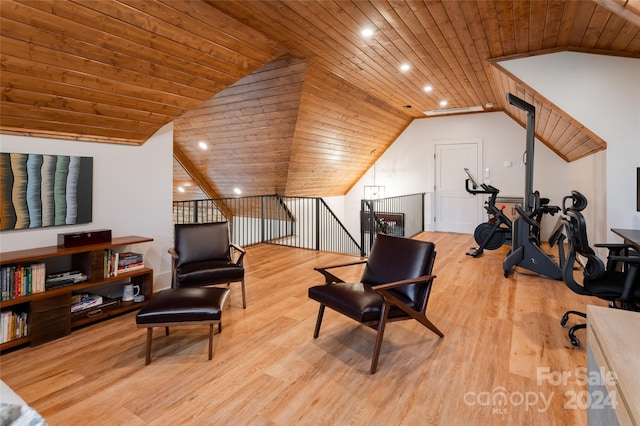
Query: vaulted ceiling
x=288, y=95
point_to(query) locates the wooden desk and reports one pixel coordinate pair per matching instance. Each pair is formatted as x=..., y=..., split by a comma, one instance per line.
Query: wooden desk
x=630, y=236
x=612, y=350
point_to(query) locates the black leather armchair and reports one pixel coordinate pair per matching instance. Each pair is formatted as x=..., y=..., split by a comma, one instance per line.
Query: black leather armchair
x=618, y=282
x=202, y=255
x=395, y=286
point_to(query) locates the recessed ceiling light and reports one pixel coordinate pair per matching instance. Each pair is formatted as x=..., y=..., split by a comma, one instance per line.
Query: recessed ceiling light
x=180, y=189
x=367, y=32
x=428, y=88
x=405, y=67
x=237, y=191
x=202, y=145
x=443, y=103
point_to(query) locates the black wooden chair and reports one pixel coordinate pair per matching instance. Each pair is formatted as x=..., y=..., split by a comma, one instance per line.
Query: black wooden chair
x=202, y=255
x=395, y=286
x=618, y=282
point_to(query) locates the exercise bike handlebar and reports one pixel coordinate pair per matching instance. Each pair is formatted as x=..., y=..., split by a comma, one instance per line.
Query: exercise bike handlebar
x=486, y=189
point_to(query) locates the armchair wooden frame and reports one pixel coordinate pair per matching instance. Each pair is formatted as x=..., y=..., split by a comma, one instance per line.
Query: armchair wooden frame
x=389, y=300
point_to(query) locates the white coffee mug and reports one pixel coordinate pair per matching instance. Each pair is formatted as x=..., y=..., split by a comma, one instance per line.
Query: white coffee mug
x=128, y=293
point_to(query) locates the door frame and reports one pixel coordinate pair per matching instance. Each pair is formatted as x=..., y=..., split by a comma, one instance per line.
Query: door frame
x=431, y=208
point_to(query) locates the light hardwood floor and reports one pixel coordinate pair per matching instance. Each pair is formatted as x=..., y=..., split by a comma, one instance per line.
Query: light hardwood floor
x=502, y=338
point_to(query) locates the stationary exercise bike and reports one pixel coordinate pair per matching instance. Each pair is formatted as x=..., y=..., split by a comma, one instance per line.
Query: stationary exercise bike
x=496, y=231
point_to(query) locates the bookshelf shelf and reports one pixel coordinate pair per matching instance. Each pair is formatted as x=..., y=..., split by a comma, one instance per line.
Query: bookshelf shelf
x=15, y=343
x=49, y=312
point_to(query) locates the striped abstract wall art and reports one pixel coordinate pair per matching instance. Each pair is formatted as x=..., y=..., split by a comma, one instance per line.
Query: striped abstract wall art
x=39, y=190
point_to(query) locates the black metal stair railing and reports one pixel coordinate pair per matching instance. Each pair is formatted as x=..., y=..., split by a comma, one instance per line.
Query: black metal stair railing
x=301, y=222
x=402, y=215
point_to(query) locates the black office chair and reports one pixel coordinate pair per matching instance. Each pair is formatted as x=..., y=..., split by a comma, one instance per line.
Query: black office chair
x=618, y=283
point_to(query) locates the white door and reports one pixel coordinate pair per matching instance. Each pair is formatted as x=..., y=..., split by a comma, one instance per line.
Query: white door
x=455, y=209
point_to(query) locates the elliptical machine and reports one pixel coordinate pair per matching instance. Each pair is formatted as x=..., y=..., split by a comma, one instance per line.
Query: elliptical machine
x=496, y=231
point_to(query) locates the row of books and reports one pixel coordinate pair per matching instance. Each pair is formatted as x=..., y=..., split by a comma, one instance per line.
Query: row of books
x=12, y=325
x=22, y=280
x=115, y=262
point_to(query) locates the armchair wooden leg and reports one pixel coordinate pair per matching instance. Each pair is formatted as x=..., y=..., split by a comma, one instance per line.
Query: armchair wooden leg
x=424, y=321
x=244, y=297
x=210, y=341
x=318, y=321
x=147, y=358
x=381, y=325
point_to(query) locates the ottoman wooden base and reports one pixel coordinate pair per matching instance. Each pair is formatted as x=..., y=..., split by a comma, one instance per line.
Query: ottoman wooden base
x=183, y=306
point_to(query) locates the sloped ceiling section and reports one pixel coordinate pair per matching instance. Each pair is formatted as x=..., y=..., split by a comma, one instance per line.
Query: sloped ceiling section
x=555, y=128
x=338, y=128
x=117, y=71
x=290, y=128
x=248, y=129
x=182, y=179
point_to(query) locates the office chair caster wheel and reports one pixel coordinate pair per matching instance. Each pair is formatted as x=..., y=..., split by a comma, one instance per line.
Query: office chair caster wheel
x=574, y=341
x=564, y=320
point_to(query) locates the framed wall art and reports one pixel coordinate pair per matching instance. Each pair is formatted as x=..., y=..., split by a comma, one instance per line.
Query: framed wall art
x=40, y=190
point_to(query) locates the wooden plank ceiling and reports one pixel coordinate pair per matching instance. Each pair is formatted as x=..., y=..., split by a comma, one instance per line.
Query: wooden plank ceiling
x=288, y=95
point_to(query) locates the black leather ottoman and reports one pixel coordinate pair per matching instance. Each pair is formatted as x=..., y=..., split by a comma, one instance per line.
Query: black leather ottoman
x=183, y=306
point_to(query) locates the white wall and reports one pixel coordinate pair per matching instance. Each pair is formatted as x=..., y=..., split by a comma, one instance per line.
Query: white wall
x=603, y=93
x=132, y=194
x=407, y=167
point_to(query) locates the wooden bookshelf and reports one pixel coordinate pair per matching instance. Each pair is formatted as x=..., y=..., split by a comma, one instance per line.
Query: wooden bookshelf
x=49, y=312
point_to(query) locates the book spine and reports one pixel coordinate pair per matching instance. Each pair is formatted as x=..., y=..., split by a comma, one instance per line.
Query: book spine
x=129, y=259
x=12, y=282
x=28, y=288
x=5, y=282
x=17, y=280
x=3, y=320
x=41, y=272
x=25, y=324
x=112, y=264
x=131, y=267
